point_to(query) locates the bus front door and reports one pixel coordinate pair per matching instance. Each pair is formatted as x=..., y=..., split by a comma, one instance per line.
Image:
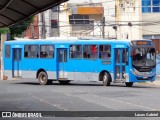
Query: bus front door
x=121, y=62
x=17, y=56
x=62, y=60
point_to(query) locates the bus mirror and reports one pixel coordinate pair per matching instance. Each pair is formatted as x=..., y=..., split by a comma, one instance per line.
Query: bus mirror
x=152, y=50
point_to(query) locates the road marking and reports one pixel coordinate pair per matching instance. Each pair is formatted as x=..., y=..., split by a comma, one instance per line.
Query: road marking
x=133, y=104
x=56, y=105
x=100, y=97
x=45, y=101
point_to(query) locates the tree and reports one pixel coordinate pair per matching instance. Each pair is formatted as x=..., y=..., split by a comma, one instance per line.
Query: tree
x=4, y=30
x=17, y=29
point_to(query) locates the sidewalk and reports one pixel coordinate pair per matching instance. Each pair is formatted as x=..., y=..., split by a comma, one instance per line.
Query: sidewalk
x=156, y=82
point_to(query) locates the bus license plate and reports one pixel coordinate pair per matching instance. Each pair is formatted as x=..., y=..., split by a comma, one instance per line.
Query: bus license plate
x=145, y=77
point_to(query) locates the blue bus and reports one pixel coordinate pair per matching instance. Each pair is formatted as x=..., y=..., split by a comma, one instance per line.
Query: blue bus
x=65, y=60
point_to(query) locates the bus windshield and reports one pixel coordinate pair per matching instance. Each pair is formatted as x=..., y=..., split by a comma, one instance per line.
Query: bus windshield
x=143, y=57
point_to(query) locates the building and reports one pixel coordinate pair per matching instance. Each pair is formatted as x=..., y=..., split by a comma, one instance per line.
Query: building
x=79, y=19
x=128, y=19
x=32, y=31
x=150, y=17
x=122, y=19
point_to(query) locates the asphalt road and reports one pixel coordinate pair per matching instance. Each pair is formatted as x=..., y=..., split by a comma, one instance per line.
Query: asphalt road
x=28, y=95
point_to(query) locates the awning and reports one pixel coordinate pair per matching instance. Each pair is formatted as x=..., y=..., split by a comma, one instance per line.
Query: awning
x=13, y=11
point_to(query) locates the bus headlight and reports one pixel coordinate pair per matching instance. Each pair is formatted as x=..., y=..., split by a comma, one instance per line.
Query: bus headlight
x=118, y=75
x=133, y=71
x=124, y=75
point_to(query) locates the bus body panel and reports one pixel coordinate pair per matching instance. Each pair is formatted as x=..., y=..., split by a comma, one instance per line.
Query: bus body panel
x=61, y=66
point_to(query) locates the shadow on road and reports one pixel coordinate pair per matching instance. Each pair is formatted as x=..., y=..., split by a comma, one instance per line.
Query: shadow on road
x=91, y=84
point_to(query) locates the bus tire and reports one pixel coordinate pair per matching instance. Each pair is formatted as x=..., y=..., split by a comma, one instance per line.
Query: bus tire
x=106, y=79
x=43, y=78
x=64, y=82
x=129, y=84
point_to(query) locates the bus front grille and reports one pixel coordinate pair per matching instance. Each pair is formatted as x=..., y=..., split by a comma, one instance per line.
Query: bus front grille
x=145, y=78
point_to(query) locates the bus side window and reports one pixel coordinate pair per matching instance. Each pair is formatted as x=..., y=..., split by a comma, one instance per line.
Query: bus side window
x=93, y=51
x=46, y=51
x=75, y=51
x=7, y=51
x=105, y=51
x=31, y=51
x=25, y=54
x=90, y=51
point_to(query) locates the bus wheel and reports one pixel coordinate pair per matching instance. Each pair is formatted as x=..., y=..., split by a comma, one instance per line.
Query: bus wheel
x=129, y=84
x=43, y=78
x=64, y=82
x=106, y=79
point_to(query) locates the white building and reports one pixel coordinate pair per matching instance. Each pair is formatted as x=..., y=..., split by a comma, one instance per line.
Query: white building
x=79, y=19
x=124, y=19
x=128, y=17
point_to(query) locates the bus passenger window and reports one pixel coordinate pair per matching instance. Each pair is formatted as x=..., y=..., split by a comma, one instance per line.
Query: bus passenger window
x=25, y=54
x=85, y=55
x=90, y=51
x=105, y=51
x=7, y=51
x=31, y=51
x=46, y=51
x=75, y=51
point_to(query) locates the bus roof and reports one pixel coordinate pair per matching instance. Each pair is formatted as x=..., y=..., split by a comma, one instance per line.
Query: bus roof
x=68, y=40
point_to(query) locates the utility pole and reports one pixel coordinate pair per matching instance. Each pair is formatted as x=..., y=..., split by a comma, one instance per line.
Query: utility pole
x=58, y=21
x=3, y=39
x=43, y=36
x=103, y=27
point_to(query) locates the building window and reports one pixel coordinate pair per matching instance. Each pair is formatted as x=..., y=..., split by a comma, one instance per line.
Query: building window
x=31, y=51
x=80, y=23
x=150, y=6
x=151, y=36
x=55, y=9
x=90, y=51
x=79, y=19
x=105, y=51
x=54, y=23
x=75, y=51
x=156, y=2
x=47, y=51
x=146, y=9
x=156, y=9
x=7, y=51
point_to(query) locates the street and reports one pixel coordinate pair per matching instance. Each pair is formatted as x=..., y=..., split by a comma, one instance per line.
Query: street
x=28, y=95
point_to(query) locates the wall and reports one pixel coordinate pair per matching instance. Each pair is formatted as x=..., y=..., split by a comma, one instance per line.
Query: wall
x=129, y=12
x=151, y=29
x=65, y=28
x=33, y=29
x=110, y=18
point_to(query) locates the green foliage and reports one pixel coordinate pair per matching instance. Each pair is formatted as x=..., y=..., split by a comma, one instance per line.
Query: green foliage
x=17, y=29
x=4, y=30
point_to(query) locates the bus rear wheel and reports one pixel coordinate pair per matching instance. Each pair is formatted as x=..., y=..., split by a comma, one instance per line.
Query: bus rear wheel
x=43, y=78
x=129, y=84
x=106, y=79
x=64, y=82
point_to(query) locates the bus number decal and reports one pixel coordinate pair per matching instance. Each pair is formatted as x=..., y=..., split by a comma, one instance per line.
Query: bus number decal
x=120, y=46
x=16, y=46
x=62, y=46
